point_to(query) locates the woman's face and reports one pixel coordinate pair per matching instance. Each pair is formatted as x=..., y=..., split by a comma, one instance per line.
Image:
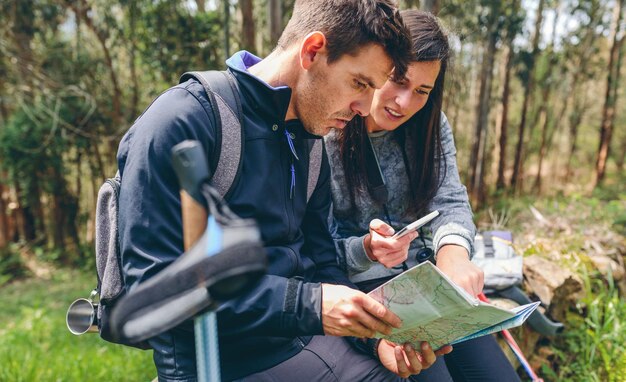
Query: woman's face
x=396, y=102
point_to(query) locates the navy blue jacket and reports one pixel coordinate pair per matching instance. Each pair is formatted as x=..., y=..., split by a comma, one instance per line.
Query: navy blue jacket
x=276, y=319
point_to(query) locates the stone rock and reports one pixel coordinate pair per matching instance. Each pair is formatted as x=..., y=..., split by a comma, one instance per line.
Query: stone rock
x=557, y=287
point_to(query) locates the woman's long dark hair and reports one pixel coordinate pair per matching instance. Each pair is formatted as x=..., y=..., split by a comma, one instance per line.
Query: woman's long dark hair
x=422, y=130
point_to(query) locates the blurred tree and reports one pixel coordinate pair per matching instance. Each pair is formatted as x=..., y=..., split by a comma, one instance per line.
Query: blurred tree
x=491, y=21
x=616, y=40
x=581, y=49
x=226, y=25
x=551, y=62
x=513, y=24
x=248, y=35
x=201, y=5
x=409, y=4
x=529, y=85
x=275, y=12
x=621, y=155
x=132, y=61
x=174, y=39
x=23, y=31
x=431, y=6
x=84, y=12
x=4, y=217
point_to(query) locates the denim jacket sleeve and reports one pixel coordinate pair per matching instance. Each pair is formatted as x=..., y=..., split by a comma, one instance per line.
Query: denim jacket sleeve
x=455, y=223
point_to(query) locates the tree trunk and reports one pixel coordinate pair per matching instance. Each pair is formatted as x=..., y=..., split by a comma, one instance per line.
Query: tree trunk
x=132, y=60
x=16, y=225
x=4, y=111
x=574, y=123
x=546, y=111
x=99, y=167
x=408, y=4
x=57, y=222
x=504, y=122
x=83, y=11
x=431, y=6
x=70, y=205
x=23, y=31
x=275, y=12
x=579, y=97
x=528, y=91
x=26, y=218
x=226, y=6
x=65, y=213
x=4, y=219
x=542, y=151
x=619, y=160
x=248, y=32
x=610, y=99
x=95, y=184
x=479, y=146
x=452, y=100
x=200, y=4
x=554, y=127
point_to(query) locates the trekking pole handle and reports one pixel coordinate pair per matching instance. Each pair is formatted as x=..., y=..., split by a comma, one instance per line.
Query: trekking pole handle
x=192, y=170
x=191, y=167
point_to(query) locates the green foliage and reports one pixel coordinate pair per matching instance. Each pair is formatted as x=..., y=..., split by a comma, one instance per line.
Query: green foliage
x=614, y=206
x=35, y=344
x=11, y=265
x=174, y=40
x=594, y=345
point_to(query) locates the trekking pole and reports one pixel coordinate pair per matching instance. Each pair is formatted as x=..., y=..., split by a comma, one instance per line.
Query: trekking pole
x=224, y=258
x=515, y=347
x=192, y=170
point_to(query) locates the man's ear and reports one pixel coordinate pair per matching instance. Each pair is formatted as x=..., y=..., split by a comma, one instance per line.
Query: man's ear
x=312, y=49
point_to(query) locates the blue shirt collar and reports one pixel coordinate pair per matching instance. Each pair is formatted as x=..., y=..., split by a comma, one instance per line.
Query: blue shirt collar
x=269, y=100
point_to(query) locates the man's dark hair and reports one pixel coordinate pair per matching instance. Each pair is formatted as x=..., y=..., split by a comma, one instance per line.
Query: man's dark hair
x=421, y=131
x=349, y=25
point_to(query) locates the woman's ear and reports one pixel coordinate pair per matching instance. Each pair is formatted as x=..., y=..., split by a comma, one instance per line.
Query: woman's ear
x=312, y=49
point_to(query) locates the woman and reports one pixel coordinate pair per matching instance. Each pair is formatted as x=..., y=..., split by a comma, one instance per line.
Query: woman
x=411, y=139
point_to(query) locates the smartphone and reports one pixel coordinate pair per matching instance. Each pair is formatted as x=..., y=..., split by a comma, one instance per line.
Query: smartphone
x=416, y=224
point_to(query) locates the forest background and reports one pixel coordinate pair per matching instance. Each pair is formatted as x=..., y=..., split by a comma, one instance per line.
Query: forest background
x=535, y=95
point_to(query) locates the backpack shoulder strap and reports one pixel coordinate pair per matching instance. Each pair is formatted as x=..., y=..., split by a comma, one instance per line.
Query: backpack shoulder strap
x=315, y=164
x=223, y=95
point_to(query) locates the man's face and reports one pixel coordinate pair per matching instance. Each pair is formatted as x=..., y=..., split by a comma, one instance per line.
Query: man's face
x=328, y=96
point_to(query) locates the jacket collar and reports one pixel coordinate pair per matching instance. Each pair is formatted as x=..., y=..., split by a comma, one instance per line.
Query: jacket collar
x=268, y=101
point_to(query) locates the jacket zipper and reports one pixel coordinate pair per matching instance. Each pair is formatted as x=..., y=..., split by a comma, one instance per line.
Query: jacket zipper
x=292, y=184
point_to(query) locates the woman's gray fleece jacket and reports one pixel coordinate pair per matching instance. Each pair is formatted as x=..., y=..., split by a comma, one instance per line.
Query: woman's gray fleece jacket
x=350, y=221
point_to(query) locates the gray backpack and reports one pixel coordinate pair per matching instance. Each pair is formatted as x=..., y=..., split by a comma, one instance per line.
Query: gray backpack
x=225, y=164
x=495, y=255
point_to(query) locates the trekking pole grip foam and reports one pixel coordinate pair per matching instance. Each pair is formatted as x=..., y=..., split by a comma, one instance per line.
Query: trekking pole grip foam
x=192, y=170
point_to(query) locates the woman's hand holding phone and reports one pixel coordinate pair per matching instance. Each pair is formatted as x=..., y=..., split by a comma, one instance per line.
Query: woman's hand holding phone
x=391, y=248
x=381, y=246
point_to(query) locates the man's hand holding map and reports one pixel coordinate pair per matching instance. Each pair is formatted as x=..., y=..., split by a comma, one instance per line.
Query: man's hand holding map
x=435, y=310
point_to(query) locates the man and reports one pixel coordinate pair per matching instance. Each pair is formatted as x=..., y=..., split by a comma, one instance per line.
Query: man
x=330, y=58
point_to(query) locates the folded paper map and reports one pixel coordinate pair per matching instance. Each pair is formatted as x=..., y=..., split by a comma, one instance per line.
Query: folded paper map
x=434, y=309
